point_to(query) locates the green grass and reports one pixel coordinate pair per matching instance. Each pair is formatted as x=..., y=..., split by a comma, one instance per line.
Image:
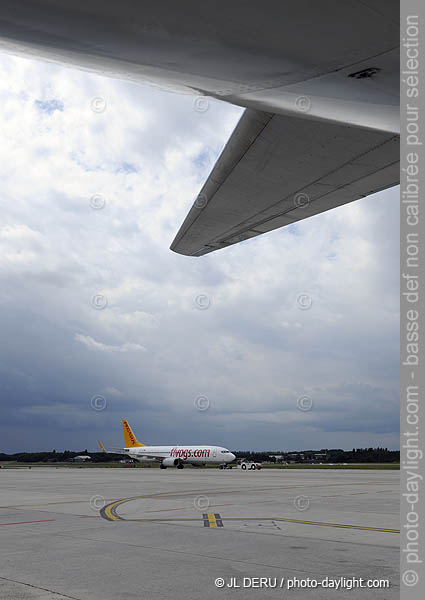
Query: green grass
x=69, y=465
x=376, y=466
x=117, y=465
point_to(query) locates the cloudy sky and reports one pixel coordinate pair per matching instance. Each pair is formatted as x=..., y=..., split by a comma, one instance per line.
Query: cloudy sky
x=287, y=341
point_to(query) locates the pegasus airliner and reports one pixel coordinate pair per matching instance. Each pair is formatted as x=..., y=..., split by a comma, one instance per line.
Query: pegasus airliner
x=171, y=456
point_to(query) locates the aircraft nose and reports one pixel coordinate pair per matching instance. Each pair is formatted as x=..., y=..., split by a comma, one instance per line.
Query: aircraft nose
x=232, y=457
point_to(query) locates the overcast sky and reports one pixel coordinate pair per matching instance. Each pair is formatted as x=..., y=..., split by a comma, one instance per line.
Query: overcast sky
x=287, y=341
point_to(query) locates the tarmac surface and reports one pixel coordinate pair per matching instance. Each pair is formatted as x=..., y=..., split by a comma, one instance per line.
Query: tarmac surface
x=112, y=534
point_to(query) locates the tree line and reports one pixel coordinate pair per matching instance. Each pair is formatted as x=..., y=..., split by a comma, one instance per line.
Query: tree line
x=325, y=455
x=335, y=455
x=55, y=457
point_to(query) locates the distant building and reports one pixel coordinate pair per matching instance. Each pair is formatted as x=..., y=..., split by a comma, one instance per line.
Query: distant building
x=81, y=458
x=296, y=455
x=277, y=457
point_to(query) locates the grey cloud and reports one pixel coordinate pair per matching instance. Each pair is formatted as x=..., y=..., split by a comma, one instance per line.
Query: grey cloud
x=252, y=351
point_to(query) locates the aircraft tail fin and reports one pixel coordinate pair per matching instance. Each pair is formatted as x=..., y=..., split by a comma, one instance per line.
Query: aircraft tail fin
x=130, y=440
x=101, y=446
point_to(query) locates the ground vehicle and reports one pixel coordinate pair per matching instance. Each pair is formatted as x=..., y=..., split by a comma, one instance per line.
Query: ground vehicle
x=249, y=464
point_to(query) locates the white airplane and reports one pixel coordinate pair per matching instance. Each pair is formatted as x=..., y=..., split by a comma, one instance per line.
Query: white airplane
x=319, y=79
x=170, y=456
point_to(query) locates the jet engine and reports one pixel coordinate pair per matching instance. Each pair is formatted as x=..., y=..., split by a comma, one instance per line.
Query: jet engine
x=172, y=462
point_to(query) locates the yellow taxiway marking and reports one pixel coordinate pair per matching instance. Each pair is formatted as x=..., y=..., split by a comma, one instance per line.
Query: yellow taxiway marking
x=211, y=520
x=297, y=521
x=109, y=512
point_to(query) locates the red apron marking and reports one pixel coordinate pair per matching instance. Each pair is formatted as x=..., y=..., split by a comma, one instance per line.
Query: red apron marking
x=26, y=522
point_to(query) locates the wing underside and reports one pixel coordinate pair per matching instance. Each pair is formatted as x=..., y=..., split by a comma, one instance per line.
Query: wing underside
x=276, y=170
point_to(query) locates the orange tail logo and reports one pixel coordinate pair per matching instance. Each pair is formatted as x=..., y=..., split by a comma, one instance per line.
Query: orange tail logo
x=129, y=437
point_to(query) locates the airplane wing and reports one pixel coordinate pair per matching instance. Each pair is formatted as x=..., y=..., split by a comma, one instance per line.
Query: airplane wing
x=111, y=450
x=159, y=456
x=276, y=170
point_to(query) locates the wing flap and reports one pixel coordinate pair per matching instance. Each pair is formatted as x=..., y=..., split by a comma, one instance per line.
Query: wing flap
x=276, y=170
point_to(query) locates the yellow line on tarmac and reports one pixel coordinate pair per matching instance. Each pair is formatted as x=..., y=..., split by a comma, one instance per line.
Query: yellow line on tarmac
x=211, y=520
x=320, y=523
x=297, y=521
x=109, y=512
x=110, y=516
